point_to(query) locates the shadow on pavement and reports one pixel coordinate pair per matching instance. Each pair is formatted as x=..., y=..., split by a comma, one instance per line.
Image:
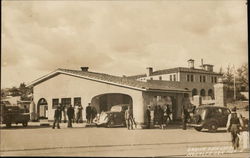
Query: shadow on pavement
x=14, y=127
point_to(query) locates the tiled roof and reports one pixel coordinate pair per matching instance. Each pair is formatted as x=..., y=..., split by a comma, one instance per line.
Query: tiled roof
x=122, y=80
x=174, y=70
x=110, y=79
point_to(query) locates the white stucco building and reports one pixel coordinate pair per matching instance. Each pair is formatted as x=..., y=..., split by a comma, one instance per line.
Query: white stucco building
x=102, y=91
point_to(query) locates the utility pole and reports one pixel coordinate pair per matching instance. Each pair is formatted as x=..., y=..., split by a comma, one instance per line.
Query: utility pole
x=234, y=84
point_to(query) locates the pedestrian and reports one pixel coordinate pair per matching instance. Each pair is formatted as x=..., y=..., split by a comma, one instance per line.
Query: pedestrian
x=57, y=116
x=185, y=115
x=88, y=113
x=148, y=116
x=168, y=113
x=156, y=115
x=161, y=116
x=75, y=113
x=79, y=114
x=129, y=118
x=62, y=108
x=234, y=123
x=93, y=114
x=70, y=113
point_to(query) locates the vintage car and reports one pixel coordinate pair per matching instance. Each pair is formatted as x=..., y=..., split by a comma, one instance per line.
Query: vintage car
x=209, y=117
x=13, y=114
x=114, y=117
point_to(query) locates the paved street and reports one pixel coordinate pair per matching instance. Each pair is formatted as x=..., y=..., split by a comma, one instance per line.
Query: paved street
x=81, y=141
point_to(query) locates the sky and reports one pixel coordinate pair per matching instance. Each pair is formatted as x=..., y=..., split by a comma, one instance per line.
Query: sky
x=119, y=37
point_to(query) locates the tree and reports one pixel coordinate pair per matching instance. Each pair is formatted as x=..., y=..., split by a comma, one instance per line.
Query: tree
x=242, y=77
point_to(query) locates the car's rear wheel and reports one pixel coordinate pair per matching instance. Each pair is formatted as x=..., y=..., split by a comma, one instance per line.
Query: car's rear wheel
x=212, y=127
x=25, y=124
x=8, y=124
x=110, y=124
x=198, y=128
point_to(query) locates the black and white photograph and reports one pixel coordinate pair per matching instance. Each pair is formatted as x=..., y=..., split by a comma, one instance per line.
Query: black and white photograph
x=124, y=78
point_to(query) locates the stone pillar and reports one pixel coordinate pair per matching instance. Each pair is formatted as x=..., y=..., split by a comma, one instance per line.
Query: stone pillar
x=139, y=110
x=197, y=101
x=220, y=93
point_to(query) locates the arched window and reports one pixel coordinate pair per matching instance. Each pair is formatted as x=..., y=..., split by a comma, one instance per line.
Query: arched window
x=210, y=93
x=202, y=92
x=194, y=92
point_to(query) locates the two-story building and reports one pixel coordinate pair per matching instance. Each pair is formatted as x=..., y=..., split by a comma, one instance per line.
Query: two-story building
x=200, y=81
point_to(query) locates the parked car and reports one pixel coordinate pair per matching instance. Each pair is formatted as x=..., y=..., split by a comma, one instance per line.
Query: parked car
x=114, y=117
x=209, y=117
x=13, y=114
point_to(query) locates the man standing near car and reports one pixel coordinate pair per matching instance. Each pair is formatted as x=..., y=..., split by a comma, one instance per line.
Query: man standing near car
x=129, y=118
x=88, y=113
x=70, y=113
x=234, y=123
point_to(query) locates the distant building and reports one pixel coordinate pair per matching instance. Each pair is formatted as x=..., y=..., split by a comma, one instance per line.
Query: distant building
x=199, y=81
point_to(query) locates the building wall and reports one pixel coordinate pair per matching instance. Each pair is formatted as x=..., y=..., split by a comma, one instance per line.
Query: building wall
x=165, y=77
x=65, y=86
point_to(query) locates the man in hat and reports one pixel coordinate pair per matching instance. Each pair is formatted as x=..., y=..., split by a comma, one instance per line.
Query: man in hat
x=148, y=116
x=234, y=123
x=57, y=117
x=70, y=113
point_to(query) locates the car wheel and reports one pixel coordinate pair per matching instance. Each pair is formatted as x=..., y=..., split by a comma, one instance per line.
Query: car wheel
x=25, y=124
x=212, y=127
x=110, y=124
x=8, y=124
x=198, y=128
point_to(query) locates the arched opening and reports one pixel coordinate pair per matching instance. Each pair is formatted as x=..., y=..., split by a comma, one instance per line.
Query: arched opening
x=42, y=109
x=210, y=93
x=202, y=92
x=194, y=92
x=104, y=102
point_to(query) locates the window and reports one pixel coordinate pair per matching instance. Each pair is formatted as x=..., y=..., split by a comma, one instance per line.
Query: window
x=77, y=101
x=170, y=77
x=160, y=78
x=174, y=77
x=66, y=101
x=200, y=78
x=215, y=79
x=204, y=78
x=192, y=78
x=188, y=78
x=55, y=103
x=212, y=79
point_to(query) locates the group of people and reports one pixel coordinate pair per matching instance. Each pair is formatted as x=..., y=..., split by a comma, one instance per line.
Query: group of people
x=161, y=116
x=130, y=121
x=91, y=113
x=74, y=115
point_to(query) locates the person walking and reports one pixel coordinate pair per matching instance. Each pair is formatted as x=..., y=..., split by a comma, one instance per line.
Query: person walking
x=156, y=115
x=57, y=116
x=185, y=116
x=129, y=118
x=79, y=114
x=93, y=114
x=88, y=113
x=70, y=113
x=63, y=112
x=161, y=116
x=234, y=123
x=148, y=116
